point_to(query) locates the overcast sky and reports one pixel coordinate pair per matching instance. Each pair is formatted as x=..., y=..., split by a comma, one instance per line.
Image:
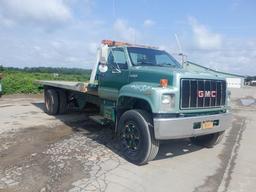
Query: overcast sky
x=65, y=33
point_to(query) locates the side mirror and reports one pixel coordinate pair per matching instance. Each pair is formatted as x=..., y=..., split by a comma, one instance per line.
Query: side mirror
x=103, y=68
x=184, y=59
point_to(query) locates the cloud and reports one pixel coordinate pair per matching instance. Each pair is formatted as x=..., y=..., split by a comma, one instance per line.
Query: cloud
x=46, y=52
x=235, y=4
x=6, y=22
x=149, y=23
x=218, y=51
x=35, y=10
x=204, y=38
x=25, y=40
x=235, y=56
x=125, y=32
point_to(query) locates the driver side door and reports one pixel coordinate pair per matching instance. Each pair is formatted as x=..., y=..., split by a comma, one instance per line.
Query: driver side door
x=116, y=76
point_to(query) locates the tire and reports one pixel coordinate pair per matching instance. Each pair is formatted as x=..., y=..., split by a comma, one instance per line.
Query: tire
x=63, y=104
x=51, y=101
x=208, y=141
x=154, y=143
x=136, y=138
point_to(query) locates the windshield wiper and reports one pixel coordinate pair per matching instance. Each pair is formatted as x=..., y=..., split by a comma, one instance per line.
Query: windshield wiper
x=165, y=65
x=145, y=63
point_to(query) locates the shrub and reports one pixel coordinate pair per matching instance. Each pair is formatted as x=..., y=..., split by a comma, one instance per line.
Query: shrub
x=24, y=82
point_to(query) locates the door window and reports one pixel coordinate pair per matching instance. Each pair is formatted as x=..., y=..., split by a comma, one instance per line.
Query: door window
x=117, y=59
x=162, y=59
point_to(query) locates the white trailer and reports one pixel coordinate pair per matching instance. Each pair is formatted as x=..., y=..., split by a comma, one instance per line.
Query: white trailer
x=234, y=82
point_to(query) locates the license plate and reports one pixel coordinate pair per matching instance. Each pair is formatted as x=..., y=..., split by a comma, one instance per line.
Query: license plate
x=207, y=124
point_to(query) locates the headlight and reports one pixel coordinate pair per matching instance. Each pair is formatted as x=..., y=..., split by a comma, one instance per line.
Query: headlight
x=167, y=102
x=166, y=99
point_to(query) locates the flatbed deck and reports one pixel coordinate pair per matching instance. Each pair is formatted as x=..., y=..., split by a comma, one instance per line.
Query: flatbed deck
x=70, y=85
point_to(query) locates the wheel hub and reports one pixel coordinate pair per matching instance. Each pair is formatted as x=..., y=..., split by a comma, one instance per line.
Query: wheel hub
x=130, y=136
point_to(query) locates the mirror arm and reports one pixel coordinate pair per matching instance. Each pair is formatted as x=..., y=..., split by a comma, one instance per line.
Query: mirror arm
x=116, y=69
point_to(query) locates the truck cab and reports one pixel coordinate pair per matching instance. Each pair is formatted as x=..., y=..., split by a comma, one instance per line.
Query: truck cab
x=148, y=96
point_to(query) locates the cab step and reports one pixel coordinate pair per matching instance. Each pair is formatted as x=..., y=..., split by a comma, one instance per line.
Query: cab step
x=99, y=119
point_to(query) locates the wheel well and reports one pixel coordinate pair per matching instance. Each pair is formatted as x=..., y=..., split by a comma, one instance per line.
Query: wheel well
x=46, y=87
x=73, y=99
x=126, y=103
x=66, y=92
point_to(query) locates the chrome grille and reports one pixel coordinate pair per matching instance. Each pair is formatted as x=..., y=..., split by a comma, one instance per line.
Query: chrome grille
x=189, y=98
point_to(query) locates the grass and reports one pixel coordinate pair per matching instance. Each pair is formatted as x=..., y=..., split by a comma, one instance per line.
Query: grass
x=15, y=82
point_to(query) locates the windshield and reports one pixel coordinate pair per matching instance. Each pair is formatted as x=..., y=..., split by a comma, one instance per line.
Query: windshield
x=151, y=57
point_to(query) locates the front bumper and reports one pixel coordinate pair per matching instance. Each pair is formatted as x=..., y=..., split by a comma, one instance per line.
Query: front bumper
x=182, y=127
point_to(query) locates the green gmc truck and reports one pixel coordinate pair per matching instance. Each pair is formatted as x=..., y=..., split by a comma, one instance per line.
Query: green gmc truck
x=147, y=96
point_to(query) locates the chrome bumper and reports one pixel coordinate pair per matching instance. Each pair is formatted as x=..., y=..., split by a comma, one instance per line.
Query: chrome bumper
x=182, y=127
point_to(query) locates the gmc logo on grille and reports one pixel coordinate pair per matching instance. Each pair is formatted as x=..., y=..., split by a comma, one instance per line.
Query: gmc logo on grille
x=202, y=94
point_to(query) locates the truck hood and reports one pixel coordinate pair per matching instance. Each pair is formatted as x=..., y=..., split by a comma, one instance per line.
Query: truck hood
x=154, y=74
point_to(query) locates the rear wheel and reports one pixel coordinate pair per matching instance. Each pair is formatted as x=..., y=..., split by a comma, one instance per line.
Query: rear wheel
x=135, y=131
x=208, y=140
x=63, y=104
x=51, y=101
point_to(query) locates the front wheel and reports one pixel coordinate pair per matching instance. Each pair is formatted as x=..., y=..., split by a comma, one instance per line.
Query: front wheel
x=208, y=140
x=135, y=131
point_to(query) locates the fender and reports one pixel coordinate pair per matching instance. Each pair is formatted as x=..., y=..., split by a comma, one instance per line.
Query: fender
x=140, y=90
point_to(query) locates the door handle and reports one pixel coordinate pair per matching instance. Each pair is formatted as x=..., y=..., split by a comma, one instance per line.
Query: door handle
x=133, y=75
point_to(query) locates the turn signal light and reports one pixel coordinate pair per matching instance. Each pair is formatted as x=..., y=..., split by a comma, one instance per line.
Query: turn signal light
x=163, y=82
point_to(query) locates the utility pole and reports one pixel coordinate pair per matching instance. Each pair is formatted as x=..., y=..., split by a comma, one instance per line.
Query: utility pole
x=183, y=56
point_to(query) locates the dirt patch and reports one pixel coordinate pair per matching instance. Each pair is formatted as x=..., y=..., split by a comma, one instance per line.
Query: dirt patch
x=19, y=96
x=31, y=140
x=2, y=106
x=23, y=164
x=73, y=155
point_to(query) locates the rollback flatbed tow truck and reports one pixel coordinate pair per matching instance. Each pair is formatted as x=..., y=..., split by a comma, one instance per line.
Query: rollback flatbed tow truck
x=148, y=96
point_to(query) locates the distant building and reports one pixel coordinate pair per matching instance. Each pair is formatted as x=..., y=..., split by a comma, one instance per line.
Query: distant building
x=55, y=75
x=233, y=80
x=250, y=81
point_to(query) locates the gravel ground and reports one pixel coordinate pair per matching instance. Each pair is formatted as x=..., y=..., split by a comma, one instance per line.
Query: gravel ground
x=71, y=153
